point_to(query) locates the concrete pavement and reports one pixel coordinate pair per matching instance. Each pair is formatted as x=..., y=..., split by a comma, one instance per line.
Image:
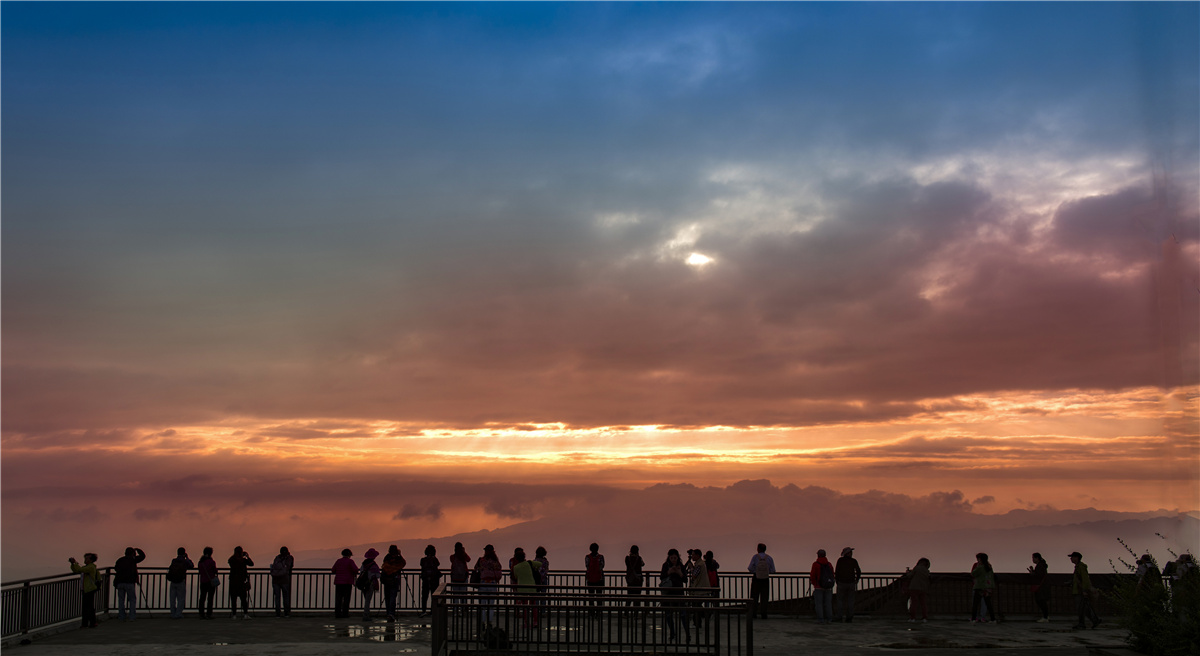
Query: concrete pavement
x=779, y=636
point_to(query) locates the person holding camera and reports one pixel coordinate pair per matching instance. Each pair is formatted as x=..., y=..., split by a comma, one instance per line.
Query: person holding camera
x=177, y=576
x=239, y=582
x=89, y=583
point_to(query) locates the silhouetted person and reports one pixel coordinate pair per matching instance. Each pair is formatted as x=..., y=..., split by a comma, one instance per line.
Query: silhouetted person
x=697, y=573
x=239, y=582
x=762, y=567
x=369, y=581
x=918, y=590
x=543, y=573
x=89, y=583
x=431, y=575
x=207, y=572
x=847, y=573
x=984, y=584
x=1185, y=586
x=1037, y=584
x=672, y=580
x=822, y=578
x=177, y=576
x=525, y=575
x=1082, y=590
x=281, y=582
x=490, y=571
x=539, y=556
x=389, y=575
x=125, y=580
x=460, y=566
x=635, y=580
x=344, y=573
x=593, y=565
x=711, y=564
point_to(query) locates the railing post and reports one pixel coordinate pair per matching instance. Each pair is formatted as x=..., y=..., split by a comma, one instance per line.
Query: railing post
x=439, y=621
x=25, y=607
x=716, y=618
x=103, y=591
x=750, y=629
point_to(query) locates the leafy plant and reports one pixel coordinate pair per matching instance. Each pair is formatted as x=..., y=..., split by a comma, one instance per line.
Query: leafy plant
x=1163, y=620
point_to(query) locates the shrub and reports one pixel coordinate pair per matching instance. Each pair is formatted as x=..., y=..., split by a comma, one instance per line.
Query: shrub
x=1162, y=620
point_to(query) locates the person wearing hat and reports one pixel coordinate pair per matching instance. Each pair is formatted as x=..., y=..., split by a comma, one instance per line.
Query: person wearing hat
x=1082, y=590
x=1149, y=578
x=368, y=581
x=1185, y=582
x=847, y=573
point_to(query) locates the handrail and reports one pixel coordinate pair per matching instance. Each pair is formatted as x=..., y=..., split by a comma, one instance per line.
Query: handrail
x=35, y=603
x=413, y=570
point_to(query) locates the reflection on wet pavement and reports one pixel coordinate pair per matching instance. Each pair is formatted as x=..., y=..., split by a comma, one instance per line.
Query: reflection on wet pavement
x=389, y=632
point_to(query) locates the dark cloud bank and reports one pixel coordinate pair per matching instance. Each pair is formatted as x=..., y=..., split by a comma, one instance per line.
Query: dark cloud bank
x=890, y=531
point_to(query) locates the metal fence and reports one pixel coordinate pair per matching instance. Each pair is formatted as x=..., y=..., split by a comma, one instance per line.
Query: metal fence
x=32, y=604
x=579, y=619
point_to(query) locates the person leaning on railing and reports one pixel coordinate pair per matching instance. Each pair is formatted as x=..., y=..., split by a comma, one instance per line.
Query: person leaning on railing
x=89, y=583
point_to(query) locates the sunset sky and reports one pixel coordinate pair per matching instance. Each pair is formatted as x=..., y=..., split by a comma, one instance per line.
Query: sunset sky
x=333, y=273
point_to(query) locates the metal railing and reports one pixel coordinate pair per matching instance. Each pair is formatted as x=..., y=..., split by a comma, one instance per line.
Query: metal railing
x=32, y=604
x=579, y=619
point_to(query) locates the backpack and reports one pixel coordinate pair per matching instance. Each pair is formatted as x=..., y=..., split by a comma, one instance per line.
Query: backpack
x=364, y=578
x=495, y=637
x=279, y=568
x=595, y=572
x=826, y=579
x=535, y=568
x=762, y=568
x=177, y=571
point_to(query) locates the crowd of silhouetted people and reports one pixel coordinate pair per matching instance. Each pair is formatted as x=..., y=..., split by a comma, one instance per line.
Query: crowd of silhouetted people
x=682, y=581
